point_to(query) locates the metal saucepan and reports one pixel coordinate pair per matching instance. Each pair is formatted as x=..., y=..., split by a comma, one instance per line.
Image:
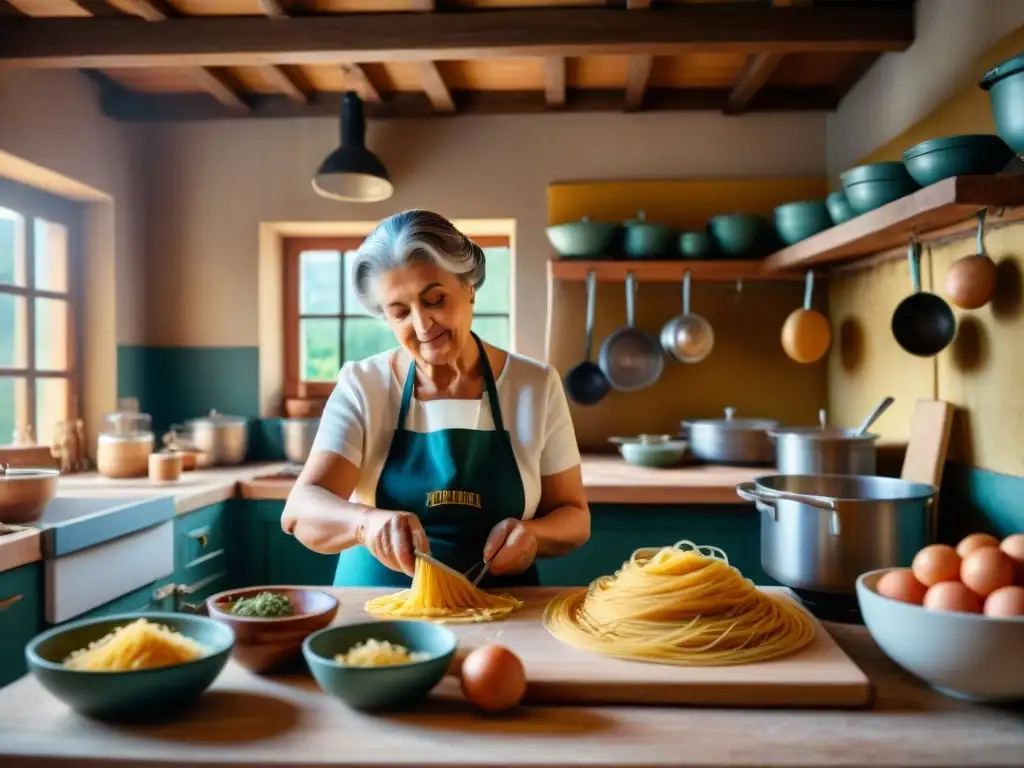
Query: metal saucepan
x=828, y=450
x=687, y=338
x=224, y=439
x=631, y=358
x=585, y=383
x=923, y=323
x=820, y=532
x=298, y=436
x=731, y=440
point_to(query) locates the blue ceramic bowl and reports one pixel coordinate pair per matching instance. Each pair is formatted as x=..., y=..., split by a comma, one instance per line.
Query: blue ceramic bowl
x=138, y=693
x=736, y=234
x=839, y=208
x=798, y=221
x=371, y=688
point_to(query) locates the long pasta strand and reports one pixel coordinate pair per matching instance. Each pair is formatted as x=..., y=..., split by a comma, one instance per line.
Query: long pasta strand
x=681, y=605
x=441, y=595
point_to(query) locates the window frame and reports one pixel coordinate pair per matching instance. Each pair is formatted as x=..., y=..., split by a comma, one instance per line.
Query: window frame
x=32, y=204
x=292, y=248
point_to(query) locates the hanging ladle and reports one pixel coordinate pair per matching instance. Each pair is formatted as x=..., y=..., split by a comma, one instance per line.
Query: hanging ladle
x=806, y=334
x=585, y=383
x=923, y=323
x=872, y=417
x=688, y=338
x=971, y=280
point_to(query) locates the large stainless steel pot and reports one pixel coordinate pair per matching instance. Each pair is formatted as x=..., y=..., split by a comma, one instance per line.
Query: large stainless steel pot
x=820, y=532
x=824, y=451
x=223, y=439
x=731, y=440
x=298, y=435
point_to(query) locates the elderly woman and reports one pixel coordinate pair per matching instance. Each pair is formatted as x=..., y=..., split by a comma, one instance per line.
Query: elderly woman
x=445, y=445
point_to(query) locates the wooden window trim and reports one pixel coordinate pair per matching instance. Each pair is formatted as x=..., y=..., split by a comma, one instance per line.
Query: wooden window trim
x=293, y=247
x=32, y=204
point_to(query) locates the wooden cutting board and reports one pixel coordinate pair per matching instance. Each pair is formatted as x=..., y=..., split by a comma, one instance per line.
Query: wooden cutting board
x=821, y=675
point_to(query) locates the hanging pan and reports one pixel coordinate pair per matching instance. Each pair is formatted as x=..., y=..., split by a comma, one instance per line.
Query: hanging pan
x=631, y=358
x=687, y=338
x=585, y=383
x=923, y=323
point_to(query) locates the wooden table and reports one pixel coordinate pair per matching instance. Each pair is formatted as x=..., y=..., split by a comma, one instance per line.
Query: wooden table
x=286, y=721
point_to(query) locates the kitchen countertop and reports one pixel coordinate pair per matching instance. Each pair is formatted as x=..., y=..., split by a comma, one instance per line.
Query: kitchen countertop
x=247, y=720
x=608, y=479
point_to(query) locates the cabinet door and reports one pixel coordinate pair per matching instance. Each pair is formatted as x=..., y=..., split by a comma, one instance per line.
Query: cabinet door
x=141, y=599
x=273, y=557
x=20, y=617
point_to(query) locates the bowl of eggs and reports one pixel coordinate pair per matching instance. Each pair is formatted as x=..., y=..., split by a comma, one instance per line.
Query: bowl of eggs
x=955, y=618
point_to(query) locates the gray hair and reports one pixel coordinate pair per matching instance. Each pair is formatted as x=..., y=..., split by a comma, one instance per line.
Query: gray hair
x=410, y=236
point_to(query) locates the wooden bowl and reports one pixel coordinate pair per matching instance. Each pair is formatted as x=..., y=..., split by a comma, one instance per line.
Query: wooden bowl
x=24, y=494
x=262, y=645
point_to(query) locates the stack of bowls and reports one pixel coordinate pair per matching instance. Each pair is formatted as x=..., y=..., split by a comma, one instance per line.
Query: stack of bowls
x=871, y=186
x=937, y=159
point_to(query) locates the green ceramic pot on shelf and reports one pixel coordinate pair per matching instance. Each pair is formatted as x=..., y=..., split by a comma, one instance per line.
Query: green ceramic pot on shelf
x=737, y=235
x=644, y=240
x=695, y=245
x=799, y=220
x=1005, y=86
x=873, y=185
x=938, y=159
x=839, y=208
x=583, y=239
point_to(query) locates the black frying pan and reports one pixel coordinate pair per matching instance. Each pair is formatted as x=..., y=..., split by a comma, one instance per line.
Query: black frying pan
x=923, y=323
x=585, y=382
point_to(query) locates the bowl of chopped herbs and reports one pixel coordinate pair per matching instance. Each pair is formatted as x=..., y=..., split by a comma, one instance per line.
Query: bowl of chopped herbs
x=271, y=622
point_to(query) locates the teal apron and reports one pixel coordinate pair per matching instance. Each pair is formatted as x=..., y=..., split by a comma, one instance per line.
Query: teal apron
x=460, y=483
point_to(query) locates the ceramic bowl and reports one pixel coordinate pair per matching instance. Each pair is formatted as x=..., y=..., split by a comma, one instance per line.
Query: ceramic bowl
x=937, y=159
x=873, y=185
x=582, y=239
x=262, y=645
x=374, y=688
x=736, y=235
x=138, y=693
x=695, y=245
x=964, y=655
x=798, y=221
x=646, y=240
x=1005, y=86
x=651, y=450
x=839, y=208
x=24, y=494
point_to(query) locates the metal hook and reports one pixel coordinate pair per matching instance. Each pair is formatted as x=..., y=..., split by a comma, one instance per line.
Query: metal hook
x=981, y=230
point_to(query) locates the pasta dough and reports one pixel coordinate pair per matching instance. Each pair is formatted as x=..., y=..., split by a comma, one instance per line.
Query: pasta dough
x=442, y=594
x=680, y=605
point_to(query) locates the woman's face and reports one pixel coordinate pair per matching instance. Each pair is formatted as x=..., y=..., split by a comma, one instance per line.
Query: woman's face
x=430, y=311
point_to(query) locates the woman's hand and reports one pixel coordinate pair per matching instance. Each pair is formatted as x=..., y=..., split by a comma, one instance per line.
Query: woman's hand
x=511, y=548
x=393, y=538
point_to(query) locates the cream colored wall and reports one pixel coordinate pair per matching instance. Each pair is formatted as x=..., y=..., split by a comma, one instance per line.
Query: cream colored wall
x=213, y=183
x=53, y=135
x=902, y=88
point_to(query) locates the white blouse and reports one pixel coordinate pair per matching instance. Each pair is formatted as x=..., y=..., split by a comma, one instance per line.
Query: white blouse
x=361, y=414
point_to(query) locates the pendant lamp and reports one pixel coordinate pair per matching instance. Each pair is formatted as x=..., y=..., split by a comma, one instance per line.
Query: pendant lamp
x=352, y=172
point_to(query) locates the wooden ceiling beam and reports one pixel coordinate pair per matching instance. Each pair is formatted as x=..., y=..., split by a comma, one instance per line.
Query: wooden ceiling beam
x=273, y=8
x=638, y=74
x=217, y=86
x=286, y=83
x=379, y=37
x=435, y=88
x=363, y=85
x=554, y=81
x=150, y=10
x=753, y=78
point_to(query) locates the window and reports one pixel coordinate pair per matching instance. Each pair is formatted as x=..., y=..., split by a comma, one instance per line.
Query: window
x=39, y=383
x=326, y=326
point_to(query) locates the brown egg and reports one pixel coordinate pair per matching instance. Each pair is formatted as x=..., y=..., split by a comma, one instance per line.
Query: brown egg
x=1005, y=603
x=935, y=563
x=1013, y=546
x=493, y=678
x=900, y=584
x=985, y=570
x=971, y=281
x=975, y=541
x=806, y=335
x=952, y=596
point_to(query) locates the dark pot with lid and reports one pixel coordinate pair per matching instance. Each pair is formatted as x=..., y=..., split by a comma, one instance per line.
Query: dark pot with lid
x=731, y=440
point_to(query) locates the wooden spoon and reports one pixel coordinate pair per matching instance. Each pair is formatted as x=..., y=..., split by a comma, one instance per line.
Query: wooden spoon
x=806, y=334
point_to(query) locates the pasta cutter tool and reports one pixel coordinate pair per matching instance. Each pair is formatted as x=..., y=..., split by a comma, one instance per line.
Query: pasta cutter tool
x=448, y=569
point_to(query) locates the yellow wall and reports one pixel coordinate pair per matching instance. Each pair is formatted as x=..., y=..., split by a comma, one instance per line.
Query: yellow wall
x=981, y=371
x=747, y=368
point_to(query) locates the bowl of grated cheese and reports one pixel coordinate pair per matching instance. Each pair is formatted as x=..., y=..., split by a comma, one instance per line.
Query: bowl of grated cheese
x=380, y=664
x=130, y=665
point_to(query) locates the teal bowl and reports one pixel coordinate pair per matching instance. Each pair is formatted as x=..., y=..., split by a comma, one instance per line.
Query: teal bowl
x=871, y=186
x=649, y=241
x=798, y=221
x=374, y=688
x=839, y=208
x=937, y=159
x=140, y=693
x=695, y=245
x=582, y=239
x=1005, y=86
x=737, y=234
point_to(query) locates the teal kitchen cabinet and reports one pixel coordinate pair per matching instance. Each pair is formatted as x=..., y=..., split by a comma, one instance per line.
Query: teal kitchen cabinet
x=21, y=617
x=264, y=554
x=203, y=540
x=152, y=597
x=616, y=530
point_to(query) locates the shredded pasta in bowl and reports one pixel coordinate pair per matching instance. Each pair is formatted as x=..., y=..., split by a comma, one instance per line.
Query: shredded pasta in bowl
x=681, y=605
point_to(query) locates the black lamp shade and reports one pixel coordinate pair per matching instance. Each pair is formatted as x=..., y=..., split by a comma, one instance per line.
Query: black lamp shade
x=352, y=172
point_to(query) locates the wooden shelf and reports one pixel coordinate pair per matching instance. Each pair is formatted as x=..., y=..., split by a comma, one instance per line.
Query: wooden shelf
x=944, y=208
x=665, y=270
